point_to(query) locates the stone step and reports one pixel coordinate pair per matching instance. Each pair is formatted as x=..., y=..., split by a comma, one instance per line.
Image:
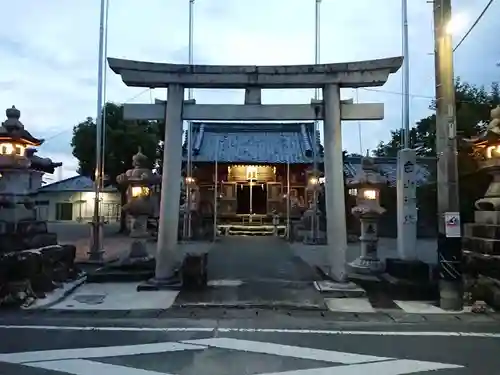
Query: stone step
x=487, y=217
x=481, y=245
x=479, y=230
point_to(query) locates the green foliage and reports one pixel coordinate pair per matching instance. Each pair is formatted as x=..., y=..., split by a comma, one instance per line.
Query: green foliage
x=473, y=106
x=473, y=112
x=123, y=139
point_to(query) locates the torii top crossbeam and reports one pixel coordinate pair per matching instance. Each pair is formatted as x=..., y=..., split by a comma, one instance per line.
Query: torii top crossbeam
x=366, y=73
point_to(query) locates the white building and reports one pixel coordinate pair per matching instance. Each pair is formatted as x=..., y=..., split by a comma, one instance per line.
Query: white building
x=72, y=199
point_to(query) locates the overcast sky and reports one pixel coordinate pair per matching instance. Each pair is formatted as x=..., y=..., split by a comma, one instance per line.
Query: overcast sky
x=48, y=49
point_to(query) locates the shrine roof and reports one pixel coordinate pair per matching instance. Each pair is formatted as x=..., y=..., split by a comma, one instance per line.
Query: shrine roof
x=267, y=143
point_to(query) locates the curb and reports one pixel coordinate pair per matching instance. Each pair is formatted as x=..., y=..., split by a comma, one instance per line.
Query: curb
x=253, y=305
x=77, y=283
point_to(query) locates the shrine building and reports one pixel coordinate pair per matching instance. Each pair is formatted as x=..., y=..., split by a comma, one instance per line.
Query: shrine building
x=253, y=162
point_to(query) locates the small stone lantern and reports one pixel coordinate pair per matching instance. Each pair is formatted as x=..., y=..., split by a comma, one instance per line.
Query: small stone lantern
x=139, y=206
x=367, y=184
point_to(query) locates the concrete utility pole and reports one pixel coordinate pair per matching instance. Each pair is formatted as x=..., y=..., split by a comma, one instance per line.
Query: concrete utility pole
x=449, y=237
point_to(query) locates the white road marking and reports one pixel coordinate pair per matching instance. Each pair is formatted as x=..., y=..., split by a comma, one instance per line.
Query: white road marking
x=224, y=282
x=418, y=307
x=397, y=367
x=286, y=350
x=83, y=367
x=116, y=296
x=355, y=305
x=74, y=361
x=256, y=330
x=96, y=352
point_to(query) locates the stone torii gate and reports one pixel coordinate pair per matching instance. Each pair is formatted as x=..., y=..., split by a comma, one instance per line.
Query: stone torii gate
x=329, y=77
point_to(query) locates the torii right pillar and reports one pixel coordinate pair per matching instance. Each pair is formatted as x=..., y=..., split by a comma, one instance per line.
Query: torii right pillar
x=334, y=186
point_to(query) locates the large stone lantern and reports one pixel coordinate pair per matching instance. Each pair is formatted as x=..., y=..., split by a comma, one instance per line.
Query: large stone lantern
x=140, y=205
x=367, y=184
x=481, y=241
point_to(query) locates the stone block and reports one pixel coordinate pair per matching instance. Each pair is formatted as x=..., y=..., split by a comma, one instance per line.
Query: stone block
x=481, y=245
x=475, y=263
x=194, y=271
x=480, y=230
x=487, y=217
x=414, y=270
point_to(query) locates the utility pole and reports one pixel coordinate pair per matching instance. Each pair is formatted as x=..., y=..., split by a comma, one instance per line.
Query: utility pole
x=449, y=236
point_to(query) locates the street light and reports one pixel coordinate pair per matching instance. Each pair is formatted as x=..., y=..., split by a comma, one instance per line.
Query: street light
x=456, y=24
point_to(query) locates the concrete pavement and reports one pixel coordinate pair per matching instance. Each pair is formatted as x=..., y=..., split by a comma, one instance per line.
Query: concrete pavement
x=264, y=344
x=255, y=271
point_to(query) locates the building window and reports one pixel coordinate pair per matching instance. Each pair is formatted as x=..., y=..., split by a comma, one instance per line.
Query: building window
x=64, y=211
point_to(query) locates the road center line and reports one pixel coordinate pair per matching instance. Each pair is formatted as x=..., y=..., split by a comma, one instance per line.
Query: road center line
x=256, y=330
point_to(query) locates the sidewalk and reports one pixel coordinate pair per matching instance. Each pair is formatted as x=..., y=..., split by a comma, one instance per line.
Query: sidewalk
x=316, y=255
x=245, y=273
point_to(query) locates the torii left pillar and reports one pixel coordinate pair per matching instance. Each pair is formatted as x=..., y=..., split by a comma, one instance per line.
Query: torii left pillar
x=170, y=186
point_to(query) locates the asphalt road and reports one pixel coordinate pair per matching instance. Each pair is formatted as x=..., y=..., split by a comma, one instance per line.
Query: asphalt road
x=221, y=347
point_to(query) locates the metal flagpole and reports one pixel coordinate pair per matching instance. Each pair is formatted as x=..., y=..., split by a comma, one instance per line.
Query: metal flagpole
x=189, y=168
x=406, y=164
x=103, y=152
x=95, y=253
x=316, y=123
x=406, y=76
x=216, y=183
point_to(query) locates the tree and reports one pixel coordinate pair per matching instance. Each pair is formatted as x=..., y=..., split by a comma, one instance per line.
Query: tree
x=123, y=139
x=473, y=112
x=473, y=105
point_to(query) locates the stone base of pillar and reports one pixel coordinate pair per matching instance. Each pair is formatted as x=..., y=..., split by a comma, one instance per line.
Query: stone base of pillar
x=367, y=266
x=154, y=284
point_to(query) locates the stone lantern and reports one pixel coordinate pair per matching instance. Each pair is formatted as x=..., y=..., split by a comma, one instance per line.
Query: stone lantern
x=481, y=241
x=367, y=184
x=140, y=205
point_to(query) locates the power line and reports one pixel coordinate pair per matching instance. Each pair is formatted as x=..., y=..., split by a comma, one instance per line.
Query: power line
x=126, y=101
x=473, y=25
x=416, y=95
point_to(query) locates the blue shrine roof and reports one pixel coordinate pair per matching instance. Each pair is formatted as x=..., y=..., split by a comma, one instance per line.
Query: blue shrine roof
x=267, y=143
x=277, y=143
